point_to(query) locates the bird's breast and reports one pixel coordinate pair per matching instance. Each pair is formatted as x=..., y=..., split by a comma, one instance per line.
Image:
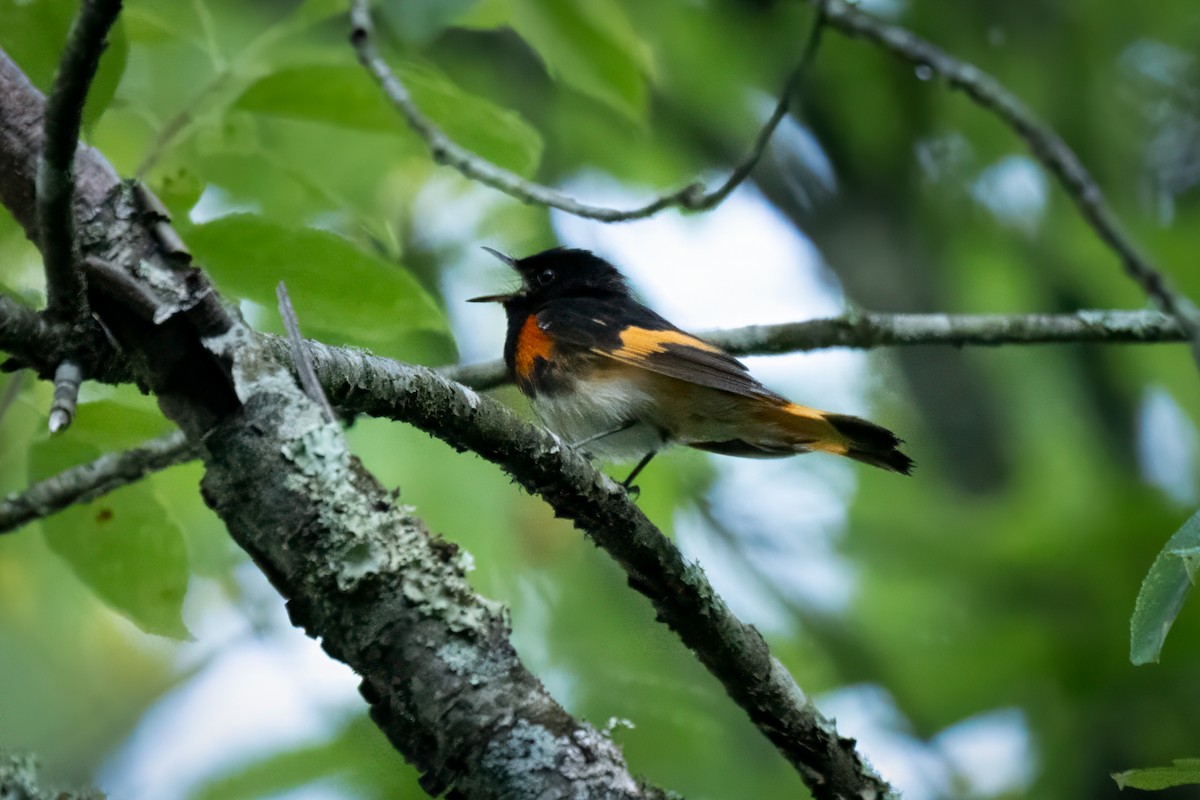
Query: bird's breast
x=611, y=413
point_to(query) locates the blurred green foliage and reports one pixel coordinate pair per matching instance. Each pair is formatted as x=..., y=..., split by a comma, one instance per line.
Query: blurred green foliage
x=1002, y=576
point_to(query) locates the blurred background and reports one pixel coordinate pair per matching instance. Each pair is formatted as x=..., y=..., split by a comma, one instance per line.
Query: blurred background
x=969, y=625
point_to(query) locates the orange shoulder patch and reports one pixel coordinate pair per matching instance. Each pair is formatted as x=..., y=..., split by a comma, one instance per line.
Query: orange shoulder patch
x=640, y=342
x=532, y=344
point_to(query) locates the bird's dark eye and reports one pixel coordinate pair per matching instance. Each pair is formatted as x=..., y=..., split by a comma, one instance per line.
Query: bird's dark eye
x=546, y=277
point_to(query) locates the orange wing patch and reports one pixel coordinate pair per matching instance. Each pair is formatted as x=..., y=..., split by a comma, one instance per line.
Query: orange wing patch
x=641, y=342
x=532, y=344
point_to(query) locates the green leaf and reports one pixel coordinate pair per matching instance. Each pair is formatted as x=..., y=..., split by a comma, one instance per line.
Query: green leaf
x=590, y=46
x=123, y=546
x=334, y=285
x=420, y=21
x=126, y=420
x=311, y=12
x=1162, y=594
x=1190, y=556
x=148, y=26
x=344, y=95
x=1182, y=772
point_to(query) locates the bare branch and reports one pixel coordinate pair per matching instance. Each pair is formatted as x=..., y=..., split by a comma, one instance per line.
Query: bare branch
x=22, y=333
x=65, y=290
x=444, y=150
x=86, y=482
x=865, y=330
x=794, y=81
x=1046, y=145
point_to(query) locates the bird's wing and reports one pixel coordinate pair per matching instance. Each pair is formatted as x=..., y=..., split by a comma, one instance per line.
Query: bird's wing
x=628, y=332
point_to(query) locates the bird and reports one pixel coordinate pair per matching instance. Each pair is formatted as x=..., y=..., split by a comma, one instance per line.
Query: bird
x=615, y=379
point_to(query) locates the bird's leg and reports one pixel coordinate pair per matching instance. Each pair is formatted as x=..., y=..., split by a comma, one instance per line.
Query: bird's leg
x=596, y=437
x=628, y=482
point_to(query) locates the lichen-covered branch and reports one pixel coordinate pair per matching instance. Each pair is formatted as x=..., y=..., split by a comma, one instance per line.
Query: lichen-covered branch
x=359, y=572
x=444, y=150
x=1045, y=144
x=365, y=577
x=733, y=651
x=386, y=597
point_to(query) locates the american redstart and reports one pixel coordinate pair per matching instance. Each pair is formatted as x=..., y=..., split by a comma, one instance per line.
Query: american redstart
x=615, y=379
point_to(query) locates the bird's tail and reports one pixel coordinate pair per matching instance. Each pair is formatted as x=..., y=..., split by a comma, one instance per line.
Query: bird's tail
x=843, y=435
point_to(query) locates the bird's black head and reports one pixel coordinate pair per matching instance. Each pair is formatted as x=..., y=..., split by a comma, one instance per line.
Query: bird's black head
x=557, y=273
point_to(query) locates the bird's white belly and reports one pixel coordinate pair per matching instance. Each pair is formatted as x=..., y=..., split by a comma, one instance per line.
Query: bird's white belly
x=592, y=416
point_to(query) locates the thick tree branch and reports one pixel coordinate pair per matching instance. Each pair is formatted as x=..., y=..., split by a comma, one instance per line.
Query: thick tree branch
x=444, y=150
x=359, y=573
x=364, y=576
x=1046, y=145
x=56, y=166
x=86, y=482
x=734, y=652
x=266, y=429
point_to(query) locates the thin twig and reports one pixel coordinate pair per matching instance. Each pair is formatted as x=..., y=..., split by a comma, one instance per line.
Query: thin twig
x=67, y=380
x=794, y=82
x=1046, y=145
x=86, y=482
x=863, y=331
x=301, y=358
x=65, y=289
x=444, y=150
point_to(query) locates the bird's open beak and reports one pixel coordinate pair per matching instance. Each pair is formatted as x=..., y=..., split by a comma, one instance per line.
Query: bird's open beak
x=512, y=262
x=497, y=298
